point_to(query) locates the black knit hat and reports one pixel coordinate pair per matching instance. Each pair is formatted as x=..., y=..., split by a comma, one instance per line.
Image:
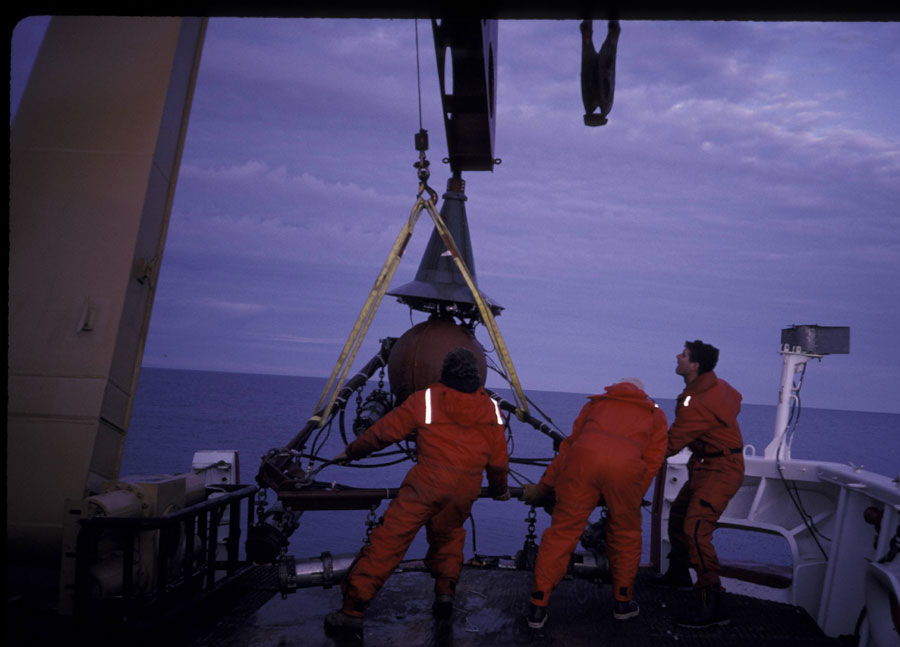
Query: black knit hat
x=460, y=371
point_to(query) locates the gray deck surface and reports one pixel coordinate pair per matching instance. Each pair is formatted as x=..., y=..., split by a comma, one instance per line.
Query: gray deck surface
x=490, y=608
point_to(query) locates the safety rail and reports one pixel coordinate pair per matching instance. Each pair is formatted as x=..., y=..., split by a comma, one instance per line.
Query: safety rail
x=839, y=523
x=182, y=552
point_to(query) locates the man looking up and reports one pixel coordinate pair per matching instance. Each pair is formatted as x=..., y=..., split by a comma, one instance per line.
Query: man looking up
x=705, y=422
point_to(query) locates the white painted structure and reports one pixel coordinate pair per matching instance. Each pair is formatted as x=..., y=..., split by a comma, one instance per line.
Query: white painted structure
x=840, y=573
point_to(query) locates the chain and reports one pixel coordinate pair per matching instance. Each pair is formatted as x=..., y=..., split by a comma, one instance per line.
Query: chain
x=531, y=519
x=261, y=501
x=370, y=523
x=527, y=557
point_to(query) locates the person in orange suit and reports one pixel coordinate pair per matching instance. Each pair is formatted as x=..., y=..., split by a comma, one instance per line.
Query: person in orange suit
x=617, y=446
x=460, y=436
x=706, y=422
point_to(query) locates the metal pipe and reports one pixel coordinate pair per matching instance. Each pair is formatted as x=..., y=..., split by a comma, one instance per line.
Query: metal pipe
x=539, y=425
x=589, y=566
x=325, y=571
x=358, y=380
x=272, y=471
x=353, y=498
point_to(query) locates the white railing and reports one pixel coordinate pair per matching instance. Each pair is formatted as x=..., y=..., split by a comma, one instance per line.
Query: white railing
x=837, y=521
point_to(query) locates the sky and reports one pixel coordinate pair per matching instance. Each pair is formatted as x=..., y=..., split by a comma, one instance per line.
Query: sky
x=748, y=180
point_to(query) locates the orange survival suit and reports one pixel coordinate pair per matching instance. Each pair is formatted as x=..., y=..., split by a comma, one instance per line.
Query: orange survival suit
x=617, y=446
x=460, y=436
x=706, y=422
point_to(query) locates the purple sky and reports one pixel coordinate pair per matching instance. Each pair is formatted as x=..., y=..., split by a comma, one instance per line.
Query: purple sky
x=748, y=179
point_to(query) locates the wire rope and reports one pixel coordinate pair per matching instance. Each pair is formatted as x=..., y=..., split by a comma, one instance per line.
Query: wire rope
x=418, y=73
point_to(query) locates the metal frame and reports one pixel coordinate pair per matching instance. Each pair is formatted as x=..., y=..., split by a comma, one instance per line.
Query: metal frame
x=202, y=571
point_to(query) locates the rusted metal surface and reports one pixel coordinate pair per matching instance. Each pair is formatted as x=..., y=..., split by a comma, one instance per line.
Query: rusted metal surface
x=418, y=356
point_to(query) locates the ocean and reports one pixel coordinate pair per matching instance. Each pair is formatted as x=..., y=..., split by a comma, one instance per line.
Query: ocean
x=178, y=412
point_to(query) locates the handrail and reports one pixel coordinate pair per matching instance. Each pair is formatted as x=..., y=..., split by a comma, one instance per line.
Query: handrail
x=116, y=545
x=154, y=523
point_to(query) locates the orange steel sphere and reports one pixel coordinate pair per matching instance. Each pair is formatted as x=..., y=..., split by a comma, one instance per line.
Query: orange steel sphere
x=417, y=357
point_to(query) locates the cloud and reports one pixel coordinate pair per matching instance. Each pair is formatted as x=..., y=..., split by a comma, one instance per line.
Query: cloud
x=253, y=210
x=262, y=179
x=343, y=64
x=295, y=339
x=736, y=187
x=232, y=307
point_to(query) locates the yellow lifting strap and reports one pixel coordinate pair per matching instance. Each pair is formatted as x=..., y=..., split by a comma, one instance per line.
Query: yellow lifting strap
x=358, y=333
x=487, y=316
x=361, y=327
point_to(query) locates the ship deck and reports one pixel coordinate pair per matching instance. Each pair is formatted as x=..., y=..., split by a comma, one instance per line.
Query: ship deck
x=490, y=607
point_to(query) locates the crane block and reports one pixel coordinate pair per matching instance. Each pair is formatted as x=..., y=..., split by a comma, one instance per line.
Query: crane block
x=466, y=52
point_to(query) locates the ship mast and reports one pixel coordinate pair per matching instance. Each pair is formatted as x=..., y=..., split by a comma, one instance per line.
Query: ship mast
x=799, y=344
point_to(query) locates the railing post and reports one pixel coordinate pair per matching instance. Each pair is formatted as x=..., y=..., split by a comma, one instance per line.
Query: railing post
x=234, y=534
x=212, y=540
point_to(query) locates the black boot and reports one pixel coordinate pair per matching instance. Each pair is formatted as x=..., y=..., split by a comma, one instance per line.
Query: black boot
x=537, y=616
x=623, y=610
x=677, y=577
x=713, y=611
x=338, y=622
x=443, y=606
